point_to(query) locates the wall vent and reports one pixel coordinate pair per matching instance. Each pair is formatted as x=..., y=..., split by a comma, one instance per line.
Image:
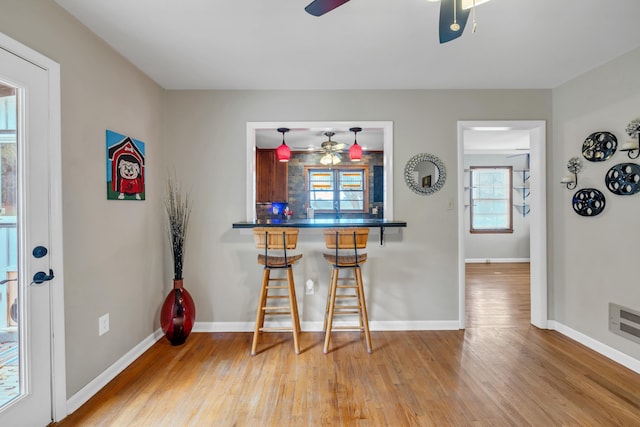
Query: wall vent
x=624, y=322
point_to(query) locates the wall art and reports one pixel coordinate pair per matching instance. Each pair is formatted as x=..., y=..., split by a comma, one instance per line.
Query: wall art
x=588, y=202
x=125, y=167
x=623, y=179
x=599, y=146
x=633, y=128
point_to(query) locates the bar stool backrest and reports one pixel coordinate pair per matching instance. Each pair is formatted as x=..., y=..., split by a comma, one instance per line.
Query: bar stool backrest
x=275, y=237
x=346, y=238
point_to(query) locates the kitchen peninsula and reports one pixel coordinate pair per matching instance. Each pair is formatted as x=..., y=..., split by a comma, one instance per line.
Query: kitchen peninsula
x=324, y=223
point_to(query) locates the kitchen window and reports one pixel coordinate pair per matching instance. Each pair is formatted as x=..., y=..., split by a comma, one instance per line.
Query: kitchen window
x=491, y=199
x=341, y=188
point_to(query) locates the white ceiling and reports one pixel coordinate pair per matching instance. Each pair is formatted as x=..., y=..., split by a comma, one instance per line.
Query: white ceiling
x=509, y=141
x=364, y=44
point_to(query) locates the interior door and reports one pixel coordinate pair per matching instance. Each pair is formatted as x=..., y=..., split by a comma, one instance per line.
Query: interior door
x=25, y=205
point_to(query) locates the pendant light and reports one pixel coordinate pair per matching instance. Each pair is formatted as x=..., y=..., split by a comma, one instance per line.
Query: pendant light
x=355, y=152
x=455, y=26
x=283, y=153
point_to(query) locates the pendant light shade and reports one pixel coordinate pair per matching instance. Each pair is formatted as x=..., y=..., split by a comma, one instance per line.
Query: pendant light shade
x=355, y=152
x=283, y=153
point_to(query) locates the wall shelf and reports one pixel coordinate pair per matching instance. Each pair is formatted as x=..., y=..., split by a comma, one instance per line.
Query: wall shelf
x=524, y=208
x=524, y=190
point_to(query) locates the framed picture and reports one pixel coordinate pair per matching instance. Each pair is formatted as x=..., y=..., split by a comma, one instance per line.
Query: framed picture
x=125, y=167
x=426, y=181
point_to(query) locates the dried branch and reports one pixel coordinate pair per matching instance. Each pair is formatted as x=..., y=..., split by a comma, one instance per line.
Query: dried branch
x=178, y=206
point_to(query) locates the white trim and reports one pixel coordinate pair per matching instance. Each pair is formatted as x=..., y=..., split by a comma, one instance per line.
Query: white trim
x=494, y=260
x=538, y=216
x=88, y=391
x=58, y=357
x=387, y=129
x=223, y=327
x=420, y=325
x=595, y=345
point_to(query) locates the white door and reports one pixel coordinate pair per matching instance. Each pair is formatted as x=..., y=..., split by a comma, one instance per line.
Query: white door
x=24, y=90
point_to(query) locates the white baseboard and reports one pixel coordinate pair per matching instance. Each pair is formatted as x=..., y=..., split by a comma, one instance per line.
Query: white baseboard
x=494, y=260
x=87, y=392
x=609, y=352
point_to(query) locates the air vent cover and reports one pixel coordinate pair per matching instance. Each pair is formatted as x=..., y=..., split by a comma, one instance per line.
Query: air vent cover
x=624, y=321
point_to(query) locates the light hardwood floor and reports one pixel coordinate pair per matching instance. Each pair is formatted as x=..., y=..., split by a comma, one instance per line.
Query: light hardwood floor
x=498, y=295
x=494, y=373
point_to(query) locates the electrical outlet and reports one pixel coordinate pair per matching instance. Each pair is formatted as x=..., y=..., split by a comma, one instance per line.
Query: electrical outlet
x=103, y=324
x=310, y=287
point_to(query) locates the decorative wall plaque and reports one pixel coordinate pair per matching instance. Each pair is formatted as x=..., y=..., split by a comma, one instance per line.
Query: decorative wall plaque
x=599, y=146
x=623, y=179
x=588, y=202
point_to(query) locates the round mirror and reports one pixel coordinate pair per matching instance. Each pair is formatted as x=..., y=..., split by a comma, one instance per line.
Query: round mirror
x=425, y=174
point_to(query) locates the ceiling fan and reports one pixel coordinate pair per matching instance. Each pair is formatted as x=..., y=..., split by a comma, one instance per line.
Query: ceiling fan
x=331, y=150
x=453, y=14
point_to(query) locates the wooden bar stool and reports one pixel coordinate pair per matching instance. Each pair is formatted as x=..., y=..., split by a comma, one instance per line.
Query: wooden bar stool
x=279, y=239
x=348, y=241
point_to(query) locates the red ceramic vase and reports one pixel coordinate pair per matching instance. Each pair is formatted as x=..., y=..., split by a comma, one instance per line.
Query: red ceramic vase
x=178, y=314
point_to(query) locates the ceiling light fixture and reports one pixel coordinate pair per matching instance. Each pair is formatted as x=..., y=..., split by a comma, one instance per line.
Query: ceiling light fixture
x=490, y=128
x=355, y=152
x=466, y=4
x=330, y=147
x=283, y=153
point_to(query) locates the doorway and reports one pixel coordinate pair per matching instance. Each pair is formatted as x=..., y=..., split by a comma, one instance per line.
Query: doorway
x=32, y=216
x=536, y=131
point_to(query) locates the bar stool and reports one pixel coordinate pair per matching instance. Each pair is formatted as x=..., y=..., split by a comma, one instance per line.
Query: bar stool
x=350, y=240
x=279, y=239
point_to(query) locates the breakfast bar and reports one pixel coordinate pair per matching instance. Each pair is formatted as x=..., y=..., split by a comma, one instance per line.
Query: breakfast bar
x=324, y=223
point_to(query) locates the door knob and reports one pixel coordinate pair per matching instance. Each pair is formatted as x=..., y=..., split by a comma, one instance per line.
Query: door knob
x=41, y=277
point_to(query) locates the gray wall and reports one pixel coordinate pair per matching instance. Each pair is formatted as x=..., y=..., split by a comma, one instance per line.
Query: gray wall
x=500, y=246
x=413, y=278
x=113, y=250
x=594, y=261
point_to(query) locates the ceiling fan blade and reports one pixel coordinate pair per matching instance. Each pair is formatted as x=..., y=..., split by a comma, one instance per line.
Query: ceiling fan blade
x=338, y=146
x=320, y=7
x=446, y=19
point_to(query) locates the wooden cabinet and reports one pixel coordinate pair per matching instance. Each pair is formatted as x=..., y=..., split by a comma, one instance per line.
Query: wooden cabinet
x=271, y=177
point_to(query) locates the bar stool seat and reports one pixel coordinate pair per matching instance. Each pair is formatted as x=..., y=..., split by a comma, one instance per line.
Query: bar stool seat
x=345, y=260
x=346, y=242
x=278, y=261
x=282, y=297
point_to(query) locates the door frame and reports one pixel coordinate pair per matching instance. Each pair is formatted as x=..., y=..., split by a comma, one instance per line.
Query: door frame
x=538, y=215
x=58, y=367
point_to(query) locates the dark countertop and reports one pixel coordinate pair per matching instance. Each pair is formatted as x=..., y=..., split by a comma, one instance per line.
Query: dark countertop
x=321, y=223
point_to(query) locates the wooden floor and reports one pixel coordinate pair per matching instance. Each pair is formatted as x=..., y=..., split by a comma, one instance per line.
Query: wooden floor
x=490, y=374
x=498, y=295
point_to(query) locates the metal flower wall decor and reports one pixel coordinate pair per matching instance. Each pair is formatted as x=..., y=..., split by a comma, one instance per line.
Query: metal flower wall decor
x=633, y=128
x=574, y=165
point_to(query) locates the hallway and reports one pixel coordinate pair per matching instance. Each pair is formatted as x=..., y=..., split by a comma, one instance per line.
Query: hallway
x=498, y=295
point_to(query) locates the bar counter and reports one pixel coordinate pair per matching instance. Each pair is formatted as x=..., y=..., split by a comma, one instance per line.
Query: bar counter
x=321, y=223
x=324, y=223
